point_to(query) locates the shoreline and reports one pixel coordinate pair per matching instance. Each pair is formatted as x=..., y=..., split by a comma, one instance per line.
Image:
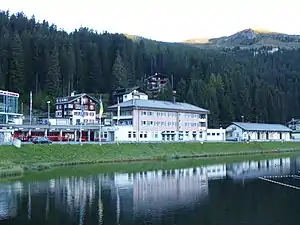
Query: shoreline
x=40, y=155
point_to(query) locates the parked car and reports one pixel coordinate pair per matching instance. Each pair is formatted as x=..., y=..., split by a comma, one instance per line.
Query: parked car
x=41, y=140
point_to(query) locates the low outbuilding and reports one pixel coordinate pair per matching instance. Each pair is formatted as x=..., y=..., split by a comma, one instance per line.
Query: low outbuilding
x=239, y=131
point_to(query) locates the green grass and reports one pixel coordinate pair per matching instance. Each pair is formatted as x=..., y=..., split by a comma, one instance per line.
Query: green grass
x=86, y=170
x=40, y=157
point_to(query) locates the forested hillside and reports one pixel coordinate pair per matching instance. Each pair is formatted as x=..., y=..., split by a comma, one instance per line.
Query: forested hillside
x=233, y=83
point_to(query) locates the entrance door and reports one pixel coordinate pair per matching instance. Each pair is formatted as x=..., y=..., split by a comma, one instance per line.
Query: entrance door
x=280, y=135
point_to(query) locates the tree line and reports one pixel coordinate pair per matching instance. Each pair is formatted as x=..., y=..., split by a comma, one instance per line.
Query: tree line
x=36, y=56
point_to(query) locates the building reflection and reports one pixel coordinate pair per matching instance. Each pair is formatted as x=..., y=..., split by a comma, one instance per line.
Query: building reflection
x=127, y=193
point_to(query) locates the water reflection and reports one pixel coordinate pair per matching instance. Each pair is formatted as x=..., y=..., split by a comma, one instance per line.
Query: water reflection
x=129, y=198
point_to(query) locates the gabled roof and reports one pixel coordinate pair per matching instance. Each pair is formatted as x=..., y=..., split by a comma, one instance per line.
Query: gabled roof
x=157, y=75
x=262, y=127
x=124, y=91
x=69, y=99
x=156, y=104
x=296, y=121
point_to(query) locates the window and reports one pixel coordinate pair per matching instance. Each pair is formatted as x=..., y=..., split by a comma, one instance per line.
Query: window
x=129, y=134
x=92, y=113
x=202, y=124
x=155, y=135
x=144, y=113
x=202, y=116
x=77, y=106
x=143, y=122
x=208, y=134
x=70, y=106
x=218, y=134
x=141, y=135
x=200, y=135
x=145, y=135
x=92, y=107
x=213, y=134
x=134, y=134
x=151, y=123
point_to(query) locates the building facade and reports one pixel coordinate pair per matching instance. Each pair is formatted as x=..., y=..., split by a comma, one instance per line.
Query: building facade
x=71, y=107
x=153, y=120
x=9, y=110
x=257, y=132
x=126, y=94
x=156, y=82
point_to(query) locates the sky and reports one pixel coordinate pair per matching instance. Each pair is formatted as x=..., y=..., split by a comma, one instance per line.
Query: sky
x=164, y=20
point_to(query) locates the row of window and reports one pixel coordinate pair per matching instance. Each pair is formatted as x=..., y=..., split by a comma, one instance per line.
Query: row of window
x=169, y=124
x=172, y=114
x=78, y=100
x=195, y=116
x=202, y=124
x=150, y=113
x=76, y=106
x=69, y=113
x=158, y=123
x=165, y=136
x=85, y=114
x=213, y=134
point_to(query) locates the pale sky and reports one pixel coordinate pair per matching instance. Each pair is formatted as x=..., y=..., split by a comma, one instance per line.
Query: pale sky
x=165, y=20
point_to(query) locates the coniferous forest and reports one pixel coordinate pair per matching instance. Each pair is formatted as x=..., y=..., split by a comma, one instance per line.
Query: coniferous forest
x=230, y=83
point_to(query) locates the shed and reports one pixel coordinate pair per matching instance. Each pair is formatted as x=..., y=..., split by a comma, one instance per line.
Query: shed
x=239, y=131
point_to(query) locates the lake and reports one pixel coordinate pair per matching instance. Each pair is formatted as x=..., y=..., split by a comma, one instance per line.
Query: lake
x=220, y=194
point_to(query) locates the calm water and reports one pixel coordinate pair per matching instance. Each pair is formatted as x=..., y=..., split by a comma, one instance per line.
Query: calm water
x=208, y=195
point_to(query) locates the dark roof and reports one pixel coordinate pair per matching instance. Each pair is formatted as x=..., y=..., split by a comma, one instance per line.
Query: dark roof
x=296, y=121
x=69, y=99
x=156, y=104
x=157, y=75
x=262, y=127
x=124, y=91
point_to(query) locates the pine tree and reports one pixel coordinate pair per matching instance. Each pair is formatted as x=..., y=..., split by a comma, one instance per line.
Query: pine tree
x=16, y=70
x=53, y=73
x=119, y=73
x=94, y=77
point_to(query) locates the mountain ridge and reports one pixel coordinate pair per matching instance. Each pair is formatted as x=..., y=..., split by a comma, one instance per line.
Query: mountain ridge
x=250, y=39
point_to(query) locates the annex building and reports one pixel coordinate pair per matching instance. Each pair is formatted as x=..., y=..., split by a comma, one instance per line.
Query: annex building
x=239, y=131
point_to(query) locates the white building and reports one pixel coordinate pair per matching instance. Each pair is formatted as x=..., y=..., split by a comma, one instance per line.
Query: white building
x=238, y=131
x=126, y=94
x=71, y=107
x=216, y=134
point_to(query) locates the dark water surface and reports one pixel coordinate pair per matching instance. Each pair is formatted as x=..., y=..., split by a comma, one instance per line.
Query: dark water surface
x=209, y=195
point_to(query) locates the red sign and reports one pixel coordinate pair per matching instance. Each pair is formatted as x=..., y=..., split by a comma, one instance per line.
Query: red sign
x=7, y=93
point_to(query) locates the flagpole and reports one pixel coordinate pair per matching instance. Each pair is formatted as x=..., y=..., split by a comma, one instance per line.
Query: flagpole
x=100, y=129
x=100, y=117
x=82, y=115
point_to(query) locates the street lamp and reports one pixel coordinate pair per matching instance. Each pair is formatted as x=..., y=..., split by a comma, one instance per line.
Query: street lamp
x=242, y=119
x=48, y=103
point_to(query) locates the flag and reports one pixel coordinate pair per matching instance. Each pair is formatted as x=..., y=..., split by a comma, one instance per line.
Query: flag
x=118, y=113
x=101, y=107
x=82, y=108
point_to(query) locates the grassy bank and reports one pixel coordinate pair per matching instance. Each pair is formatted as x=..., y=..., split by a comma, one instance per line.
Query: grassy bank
x=39, y=157
x=86, y=170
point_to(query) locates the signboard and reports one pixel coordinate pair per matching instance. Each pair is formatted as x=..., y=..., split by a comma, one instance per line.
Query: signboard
x=7, y=93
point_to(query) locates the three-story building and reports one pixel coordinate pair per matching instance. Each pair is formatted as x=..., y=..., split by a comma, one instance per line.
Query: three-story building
x=71, y=107
x=154, y=120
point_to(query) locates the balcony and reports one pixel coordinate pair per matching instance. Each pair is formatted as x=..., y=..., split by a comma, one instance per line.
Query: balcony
x=124, y=117
x=202, y=120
